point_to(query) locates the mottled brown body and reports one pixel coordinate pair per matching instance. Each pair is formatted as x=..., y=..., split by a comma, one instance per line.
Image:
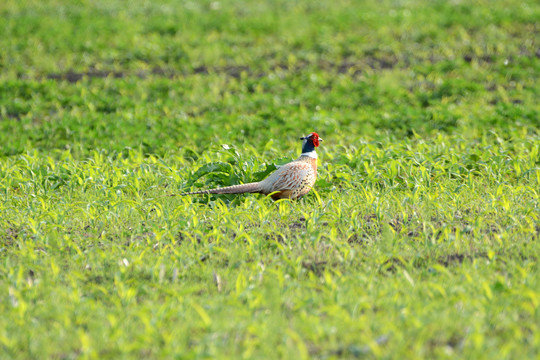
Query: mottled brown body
x=297, y=177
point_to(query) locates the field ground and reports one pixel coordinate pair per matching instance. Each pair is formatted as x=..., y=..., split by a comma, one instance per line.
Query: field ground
x=420, y=241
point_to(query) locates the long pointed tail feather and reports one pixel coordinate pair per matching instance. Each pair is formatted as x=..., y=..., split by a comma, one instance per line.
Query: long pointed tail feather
x=235, y=189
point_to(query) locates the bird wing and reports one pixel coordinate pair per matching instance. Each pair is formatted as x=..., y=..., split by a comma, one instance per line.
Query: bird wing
x=287, y=177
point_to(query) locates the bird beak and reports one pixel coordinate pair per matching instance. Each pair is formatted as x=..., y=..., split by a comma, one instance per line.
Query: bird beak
x=320, y=139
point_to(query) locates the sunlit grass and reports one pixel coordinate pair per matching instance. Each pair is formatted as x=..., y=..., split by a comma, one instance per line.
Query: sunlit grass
x=420, y=239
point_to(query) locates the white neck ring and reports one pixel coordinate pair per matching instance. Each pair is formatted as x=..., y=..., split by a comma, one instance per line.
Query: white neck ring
x=311, y=154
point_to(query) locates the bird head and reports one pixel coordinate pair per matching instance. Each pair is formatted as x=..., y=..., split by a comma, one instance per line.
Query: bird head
x=312, y=139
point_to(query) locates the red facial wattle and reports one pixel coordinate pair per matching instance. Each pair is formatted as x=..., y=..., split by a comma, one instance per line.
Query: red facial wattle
x=315, y=139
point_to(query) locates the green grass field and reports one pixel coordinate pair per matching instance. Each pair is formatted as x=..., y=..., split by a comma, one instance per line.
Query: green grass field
x=420, y=241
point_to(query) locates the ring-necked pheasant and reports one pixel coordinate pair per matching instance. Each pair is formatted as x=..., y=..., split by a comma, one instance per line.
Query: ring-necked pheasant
x=291, y=181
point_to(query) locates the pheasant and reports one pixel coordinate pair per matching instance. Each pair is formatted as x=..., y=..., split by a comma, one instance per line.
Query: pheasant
x=291, y=181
